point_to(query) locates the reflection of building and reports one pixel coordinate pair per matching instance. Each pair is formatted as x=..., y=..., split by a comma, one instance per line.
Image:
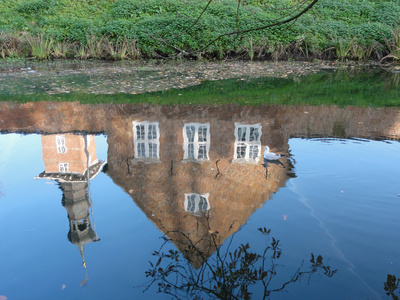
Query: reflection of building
x=205, y=183
x=160, y=189
x=66, y=158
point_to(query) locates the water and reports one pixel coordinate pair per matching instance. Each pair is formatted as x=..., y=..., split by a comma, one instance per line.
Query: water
x=184, y=188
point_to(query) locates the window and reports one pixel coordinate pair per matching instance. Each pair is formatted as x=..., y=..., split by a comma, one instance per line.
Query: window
x=196, y=204
x=60, y=142
x=63, y=167
x=146, y=140
x=196, y=141
x=247, y=142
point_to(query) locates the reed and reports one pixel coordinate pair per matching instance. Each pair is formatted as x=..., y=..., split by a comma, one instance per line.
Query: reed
x=61, y=50
x=393, y=46
x=249, y=48
x=11, y=46
x=96, y=47
x=342, y=48
x=119, y=49
x=133, y=50
x=41, y=46
x=81, y=52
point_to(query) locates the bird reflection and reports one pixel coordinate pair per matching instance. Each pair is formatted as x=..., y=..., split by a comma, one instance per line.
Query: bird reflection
x=271, y=158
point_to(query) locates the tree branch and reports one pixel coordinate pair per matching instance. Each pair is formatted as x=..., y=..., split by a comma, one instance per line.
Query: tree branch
x=262, y=27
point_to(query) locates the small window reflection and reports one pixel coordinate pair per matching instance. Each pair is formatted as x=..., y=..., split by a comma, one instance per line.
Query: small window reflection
x=197, y=204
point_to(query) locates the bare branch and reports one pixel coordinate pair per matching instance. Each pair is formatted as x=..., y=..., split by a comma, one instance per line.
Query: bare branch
x=262, y=27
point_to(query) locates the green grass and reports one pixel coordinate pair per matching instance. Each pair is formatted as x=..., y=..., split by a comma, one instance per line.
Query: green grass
x=161, y=27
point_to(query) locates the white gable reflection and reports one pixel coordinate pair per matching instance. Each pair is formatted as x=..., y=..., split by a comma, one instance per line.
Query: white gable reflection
x=146, y=140
x=196, y=204
x=247, y=142
x=196, y=141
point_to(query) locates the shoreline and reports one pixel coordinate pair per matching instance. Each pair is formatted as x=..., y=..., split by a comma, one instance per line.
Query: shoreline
x=138, y=77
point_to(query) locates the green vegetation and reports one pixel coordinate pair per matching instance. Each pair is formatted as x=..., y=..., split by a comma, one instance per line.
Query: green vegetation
x=121, y=29
x=362, y=88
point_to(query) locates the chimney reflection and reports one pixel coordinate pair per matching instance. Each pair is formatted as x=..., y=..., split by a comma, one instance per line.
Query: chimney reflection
x=71, y=161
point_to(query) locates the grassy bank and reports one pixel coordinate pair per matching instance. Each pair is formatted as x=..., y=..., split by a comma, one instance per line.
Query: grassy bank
x=133, y=29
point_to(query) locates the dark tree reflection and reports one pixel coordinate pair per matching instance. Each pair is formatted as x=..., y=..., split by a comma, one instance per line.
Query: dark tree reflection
x=227, y=274
x=391, y=285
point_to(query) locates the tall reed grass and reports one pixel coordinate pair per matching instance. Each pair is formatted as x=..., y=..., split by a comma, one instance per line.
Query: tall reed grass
x=393, y=46
x=43, y=47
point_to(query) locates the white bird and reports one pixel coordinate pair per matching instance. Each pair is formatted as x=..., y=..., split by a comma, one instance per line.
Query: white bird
x=270, y=155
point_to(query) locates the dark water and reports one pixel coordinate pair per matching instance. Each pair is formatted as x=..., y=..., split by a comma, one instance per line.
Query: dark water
x=181, y=201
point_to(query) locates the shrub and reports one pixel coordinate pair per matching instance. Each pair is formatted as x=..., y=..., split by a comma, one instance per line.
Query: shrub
x=34, y=6
x=387, y=13
x=117, y=28
x=140, y=9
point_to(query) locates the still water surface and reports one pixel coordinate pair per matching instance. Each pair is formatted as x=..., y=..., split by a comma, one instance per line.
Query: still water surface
x=180, y=201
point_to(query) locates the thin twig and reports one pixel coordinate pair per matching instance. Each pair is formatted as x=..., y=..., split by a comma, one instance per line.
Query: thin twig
x=262, y=27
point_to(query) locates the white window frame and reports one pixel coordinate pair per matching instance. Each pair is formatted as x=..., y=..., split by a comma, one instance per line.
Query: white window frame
x=63, y=167
x=196, y=144
x=197, y=199
x=248, y=144
x=148, y=143
x=60, y=143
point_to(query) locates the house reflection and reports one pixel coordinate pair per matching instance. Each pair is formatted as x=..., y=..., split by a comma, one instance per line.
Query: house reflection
x=160, y=154
x=205, y=179
x=68, y=158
